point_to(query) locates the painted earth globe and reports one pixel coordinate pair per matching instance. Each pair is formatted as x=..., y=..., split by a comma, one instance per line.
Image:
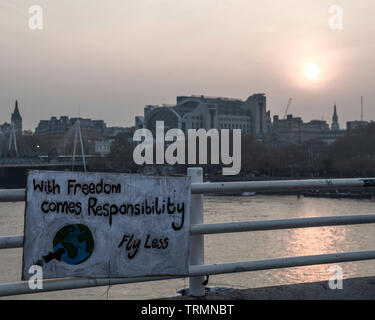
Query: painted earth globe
x=77, y=241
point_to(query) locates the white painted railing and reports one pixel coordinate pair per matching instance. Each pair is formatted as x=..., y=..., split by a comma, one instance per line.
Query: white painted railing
x=197, y=269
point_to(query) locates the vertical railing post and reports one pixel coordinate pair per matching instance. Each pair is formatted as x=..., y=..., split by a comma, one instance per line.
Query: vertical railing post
x=197, y=289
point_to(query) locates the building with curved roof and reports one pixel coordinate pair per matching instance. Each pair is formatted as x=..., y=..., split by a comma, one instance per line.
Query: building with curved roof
x=202, y=112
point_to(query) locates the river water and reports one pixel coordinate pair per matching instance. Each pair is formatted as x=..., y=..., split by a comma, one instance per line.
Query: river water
x=233, y=247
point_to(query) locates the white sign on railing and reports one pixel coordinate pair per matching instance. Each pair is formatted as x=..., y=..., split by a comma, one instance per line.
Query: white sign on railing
x=106, y=225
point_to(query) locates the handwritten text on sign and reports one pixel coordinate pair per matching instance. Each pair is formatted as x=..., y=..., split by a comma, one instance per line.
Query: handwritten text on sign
x=106, y=225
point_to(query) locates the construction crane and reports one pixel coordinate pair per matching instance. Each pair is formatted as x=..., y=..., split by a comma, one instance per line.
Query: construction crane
x=287, y=108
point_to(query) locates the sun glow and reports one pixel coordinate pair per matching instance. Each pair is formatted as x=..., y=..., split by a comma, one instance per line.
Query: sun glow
x=312, y=70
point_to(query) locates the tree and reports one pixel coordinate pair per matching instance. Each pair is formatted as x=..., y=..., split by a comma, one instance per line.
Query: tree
x=121, y=156
x=352, y=154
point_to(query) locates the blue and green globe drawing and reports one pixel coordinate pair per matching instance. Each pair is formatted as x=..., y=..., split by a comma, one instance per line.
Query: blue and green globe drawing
x=77, y=241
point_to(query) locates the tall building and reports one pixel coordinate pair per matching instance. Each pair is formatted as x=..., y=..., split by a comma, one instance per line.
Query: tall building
x=16, y=119
x=351, y=125
x=293, y=130
x=202, y=112
x=335, y=126
x=5, y=128
x=139, y=121
x=260, y=117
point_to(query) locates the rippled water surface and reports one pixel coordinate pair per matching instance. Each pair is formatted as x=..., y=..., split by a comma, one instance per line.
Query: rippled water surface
x=233, y=247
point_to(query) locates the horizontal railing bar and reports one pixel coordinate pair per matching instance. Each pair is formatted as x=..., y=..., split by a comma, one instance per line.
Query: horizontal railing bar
x=264, y=225
x=9, y=195
x=11, y=242
x=22, y=287
x=279, y=263
x=245, y=226
x=12, y=195
x=279, y=185
x=16, y=288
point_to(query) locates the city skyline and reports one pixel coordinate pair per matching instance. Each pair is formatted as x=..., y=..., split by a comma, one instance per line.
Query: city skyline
x=111, y=61
x=328, y=120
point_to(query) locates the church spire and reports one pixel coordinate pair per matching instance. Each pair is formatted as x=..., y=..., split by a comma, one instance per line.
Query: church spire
x=335, y=117
x=16, y=113
x=335, y=120
x=16, y=119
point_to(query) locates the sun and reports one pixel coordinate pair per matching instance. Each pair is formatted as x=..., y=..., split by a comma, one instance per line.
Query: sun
x=312, y=70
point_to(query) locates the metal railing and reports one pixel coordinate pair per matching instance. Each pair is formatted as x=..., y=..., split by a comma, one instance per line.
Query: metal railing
x=197, y=269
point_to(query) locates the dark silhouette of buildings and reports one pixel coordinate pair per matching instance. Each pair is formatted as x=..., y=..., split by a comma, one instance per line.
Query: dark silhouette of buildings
x=64, y=123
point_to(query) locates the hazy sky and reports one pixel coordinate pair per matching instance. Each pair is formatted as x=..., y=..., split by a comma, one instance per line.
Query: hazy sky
x=112, y=57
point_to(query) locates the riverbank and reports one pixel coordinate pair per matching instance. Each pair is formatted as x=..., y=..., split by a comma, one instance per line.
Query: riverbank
x=353, y=289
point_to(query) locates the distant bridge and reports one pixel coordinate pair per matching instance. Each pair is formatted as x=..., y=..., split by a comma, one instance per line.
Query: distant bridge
x=43, y=161
x=13, y=171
